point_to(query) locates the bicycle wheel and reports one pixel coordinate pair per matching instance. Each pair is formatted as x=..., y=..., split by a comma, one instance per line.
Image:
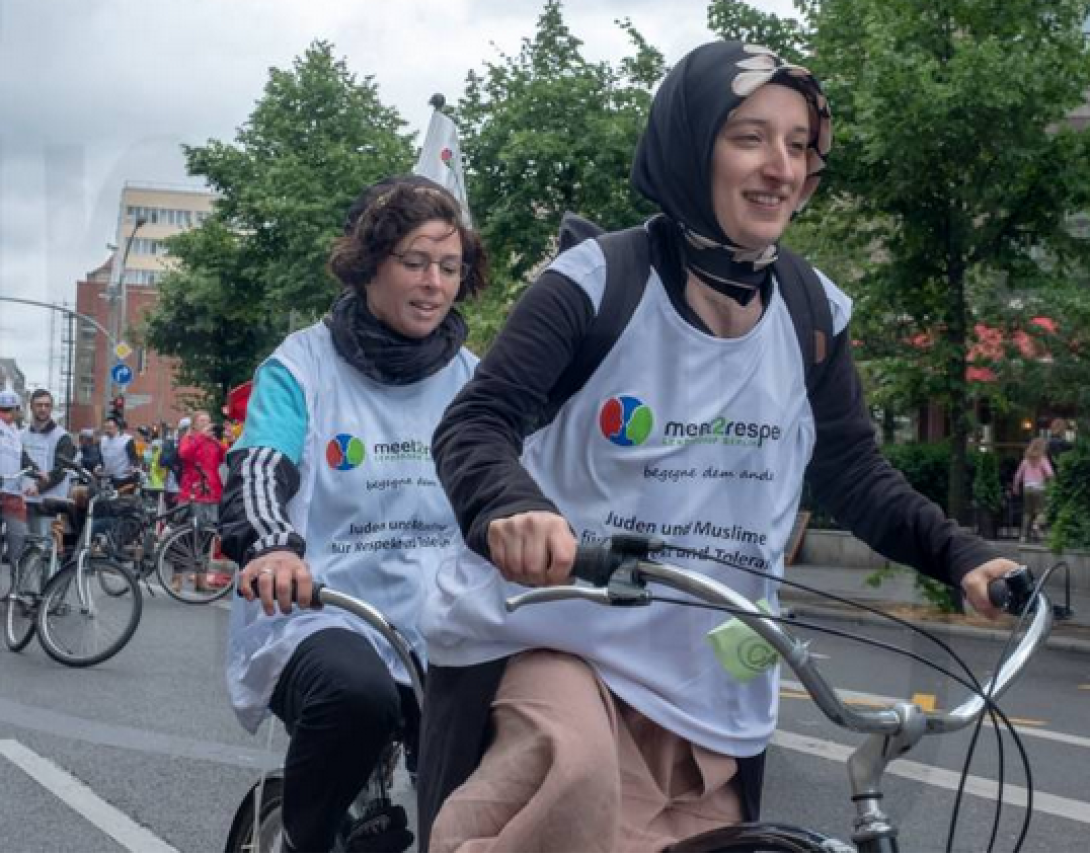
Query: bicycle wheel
x=7, y=574
x=82, y=627
x=187, y=570
x=269, y=825
x=760, y=837
x=23, y=599
x=125, y=535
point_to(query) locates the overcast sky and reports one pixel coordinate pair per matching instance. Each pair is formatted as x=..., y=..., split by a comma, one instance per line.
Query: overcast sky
x=94, y=93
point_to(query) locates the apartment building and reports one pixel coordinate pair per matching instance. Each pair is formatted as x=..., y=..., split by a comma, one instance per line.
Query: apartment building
x=118, y=295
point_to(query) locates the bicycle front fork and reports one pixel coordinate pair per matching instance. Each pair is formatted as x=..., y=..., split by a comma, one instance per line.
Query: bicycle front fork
x=873, y=830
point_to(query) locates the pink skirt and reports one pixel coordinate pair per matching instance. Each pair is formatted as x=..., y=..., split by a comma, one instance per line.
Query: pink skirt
x=574, y=769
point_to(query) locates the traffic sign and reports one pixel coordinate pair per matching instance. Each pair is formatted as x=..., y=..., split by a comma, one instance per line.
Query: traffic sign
x=121, y=374
x=122, y=351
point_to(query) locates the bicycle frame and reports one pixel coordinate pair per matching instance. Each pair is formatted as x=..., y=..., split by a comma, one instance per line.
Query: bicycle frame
x=377, y=621
x=82, y=550
x=891, y=731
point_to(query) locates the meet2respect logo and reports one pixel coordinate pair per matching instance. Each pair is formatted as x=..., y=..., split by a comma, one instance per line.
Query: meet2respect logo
x=627, y=421
x=344, y=452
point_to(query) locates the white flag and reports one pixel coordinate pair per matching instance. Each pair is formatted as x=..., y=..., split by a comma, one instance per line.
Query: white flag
x=441, y=159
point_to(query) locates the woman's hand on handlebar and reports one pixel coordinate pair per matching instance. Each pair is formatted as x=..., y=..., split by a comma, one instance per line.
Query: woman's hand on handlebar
x=276, y=573
x=975, y=585
x=536, y=549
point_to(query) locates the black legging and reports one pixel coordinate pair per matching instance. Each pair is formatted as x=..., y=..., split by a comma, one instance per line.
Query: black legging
x=341, y=707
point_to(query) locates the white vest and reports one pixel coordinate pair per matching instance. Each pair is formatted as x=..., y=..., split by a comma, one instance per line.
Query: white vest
x=369, y=506
x=700, y=440
x=115, y=455
x=11, y=456
x=41, y=448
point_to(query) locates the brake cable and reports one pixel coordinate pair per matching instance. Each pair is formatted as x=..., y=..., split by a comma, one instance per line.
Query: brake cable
x=973, y=685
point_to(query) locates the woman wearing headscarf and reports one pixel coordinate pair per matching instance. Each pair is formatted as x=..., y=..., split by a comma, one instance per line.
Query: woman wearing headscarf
x=617, y=730
x=329, y=482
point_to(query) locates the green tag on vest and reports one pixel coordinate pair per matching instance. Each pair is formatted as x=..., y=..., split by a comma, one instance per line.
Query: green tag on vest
x=741, y=651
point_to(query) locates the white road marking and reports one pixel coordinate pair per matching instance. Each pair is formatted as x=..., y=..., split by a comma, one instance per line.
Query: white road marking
x=80, y=797
x=1026, y=730
x=974, y=785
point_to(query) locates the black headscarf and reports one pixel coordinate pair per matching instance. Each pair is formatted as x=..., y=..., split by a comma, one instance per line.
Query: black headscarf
x=673, y=165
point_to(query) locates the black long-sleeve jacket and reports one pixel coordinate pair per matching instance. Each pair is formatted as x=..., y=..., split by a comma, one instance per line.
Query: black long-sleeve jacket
x=479, y=441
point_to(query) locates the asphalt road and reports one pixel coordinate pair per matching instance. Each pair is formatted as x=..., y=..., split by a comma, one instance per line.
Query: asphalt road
x=142, y=752
x=807, y=782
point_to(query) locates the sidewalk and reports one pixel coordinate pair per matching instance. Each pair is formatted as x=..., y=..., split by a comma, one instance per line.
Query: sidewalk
x=898, y=593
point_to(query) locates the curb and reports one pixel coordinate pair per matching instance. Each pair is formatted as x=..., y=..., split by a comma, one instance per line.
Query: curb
x=1056, y=641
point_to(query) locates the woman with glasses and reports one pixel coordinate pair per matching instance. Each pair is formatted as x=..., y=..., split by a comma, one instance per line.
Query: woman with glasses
x=333, y=481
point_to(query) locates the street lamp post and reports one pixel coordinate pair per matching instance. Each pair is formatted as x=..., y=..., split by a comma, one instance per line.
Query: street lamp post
x=116, y=294
x=72, y=316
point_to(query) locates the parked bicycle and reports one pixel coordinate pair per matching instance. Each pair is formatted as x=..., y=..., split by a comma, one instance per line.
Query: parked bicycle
x=258, y=824
x=8, y=562
x=622, y=574
x=179, y=548
x=83, y=605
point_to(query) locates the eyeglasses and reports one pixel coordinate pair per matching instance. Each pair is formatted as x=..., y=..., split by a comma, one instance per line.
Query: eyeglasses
x=450, y=269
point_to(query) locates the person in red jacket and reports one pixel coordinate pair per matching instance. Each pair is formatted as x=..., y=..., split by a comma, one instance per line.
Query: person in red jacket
x=201, y=455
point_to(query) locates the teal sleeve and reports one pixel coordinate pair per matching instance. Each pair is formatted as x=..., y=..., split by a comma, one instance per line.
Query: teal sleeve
x=276, y=416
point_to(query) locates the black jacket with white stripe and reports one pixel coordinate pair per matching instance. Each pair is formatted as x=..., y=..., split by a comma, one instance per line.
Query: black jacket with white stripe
x=253, y=513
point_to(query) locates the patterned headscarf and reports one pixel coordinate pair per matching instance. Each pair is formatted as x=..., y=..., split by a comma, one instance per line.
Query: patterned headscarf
x=673, y=165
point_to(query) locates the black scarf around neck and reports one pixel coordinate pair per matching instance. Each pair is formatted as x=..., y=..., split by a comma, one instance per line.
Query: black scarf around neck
x=673, y=164
x=386, y=356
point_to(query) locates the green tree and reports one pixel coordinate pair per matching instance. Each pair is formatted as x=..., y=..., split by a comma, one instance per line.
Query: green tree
x=315, y=138
x=953, y=170
x=734, y=19
x=212, y=312
x=544, y=132
x=1069, y=501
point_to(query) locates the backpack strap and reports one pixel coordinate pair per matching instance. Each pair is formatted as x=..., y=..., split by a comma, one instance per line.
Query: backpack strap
x=809, y=308
x=628, y=266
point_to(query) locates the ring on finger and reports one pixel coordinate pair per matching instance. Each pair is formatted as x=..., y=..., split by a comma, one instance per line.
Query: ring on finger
x=266, y=571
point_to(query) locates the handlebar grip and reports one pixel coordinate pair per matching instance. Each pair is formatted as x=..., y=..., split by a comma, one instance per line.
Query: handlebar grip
x=595, y=564
x=315, y=595
x=1012, y=592
x=999, y=593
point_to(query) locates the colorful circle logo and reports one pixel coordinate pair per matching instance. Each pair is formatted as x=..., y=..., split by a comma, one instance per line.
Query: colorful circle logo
x=625, y=420
x=345, y=452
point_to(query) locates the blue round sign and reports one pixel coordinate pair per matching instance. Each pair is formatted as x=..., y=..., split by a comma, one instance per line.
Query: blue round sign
x=121, y=374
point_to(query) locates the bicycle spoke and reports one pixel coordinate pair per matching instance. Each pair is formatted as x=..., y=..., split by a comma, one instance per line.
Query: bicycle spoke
x=84, y=627
x=22, y=602
x=188, y=569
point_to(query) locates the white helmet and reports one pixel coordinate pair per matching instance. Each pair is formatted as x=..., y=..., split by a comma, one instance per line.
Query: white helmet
x=9, y=399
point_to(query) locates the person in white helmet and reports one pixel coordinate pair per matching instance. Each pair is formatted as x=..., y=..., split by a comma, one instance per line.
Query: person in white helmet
x=13, y=490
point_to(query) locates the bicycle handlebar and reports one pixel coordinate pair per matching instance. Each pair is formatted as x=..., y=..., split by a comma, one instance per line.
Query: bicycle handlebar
x=26, y=470
x=323, y=595
x=619, y=572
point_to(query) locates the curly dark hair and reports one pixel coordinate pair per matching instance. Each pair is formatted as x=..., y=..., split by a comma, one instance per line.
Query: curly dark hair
x=381, y=217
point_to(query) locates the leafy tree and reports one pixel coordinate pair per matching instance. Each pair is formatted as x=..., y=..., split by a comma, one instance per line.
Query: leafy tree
x=315, y=138
x=954, y=169
x=734, y=19
x=1069, y=501
x=544, y=132
x=212, y=312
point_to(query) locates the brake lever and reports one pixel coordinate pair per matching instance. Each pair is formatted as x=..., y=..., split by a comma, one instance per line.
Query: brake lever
x=619, y=593
x=556, y=593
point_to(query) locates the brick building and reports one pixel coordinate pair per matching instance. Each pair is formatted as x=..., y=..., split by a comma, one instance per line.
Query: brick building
x=147, y=215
